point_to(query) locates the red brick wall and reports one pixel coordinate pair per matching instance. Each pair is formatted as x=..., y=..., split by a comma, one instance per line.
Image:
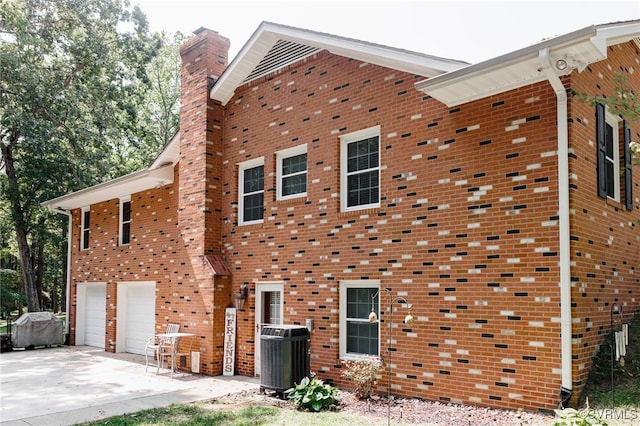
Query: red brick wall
x=204, y=57
x=605, y=242
x=156, y=253
x=173, y=227
x=467, y=229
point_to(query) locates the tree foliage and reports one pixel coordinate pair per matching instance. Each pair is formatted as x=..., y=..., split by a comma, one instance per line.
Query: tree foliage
x=74, y=75
x=624, y=103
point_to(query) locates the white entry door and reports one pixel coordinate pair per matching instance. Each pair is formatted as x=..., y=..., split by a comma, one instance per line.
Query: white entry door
x=269, y=311
x=136, y=316
x=91, y=314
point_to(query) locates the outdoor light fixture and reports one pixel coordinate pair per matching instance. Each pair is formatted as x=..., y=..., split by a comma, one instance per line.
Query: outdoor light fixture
x=408, y=320
x=561, y=64
x=241, y=296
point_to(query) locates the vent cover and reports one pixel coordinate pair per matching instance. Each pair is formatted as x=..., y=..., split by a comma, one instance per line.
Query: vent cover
x=281, y=54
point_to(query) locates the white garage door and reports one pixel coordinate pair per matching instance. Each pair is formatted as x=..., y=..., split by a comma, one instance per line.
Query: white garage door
x=95, y=315
x=139, y=316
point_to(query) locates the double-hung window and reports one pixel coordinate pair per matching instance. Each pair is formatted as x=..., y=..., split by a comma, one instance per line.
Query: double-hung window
x=291, y=170
x=125, y=221
x=610, y=129
x=359, y=337
x=360, y=169
x=85, y=226
x=251, y=191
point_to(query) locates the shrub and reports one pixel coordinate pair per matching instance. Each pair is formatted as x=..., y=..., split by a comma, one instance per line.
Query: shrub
x=571, y=417
x=363, y=373
x=313, y=394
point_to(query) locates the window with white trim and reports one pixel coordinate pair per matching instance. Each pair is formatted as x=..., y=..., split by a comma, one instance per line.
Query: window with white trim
x=360, y=169
x=85, y=226
x=125, y=221
x=359, y=337
x=609, y=166
x=251, y=192
x=291, y=172
x=610, y=130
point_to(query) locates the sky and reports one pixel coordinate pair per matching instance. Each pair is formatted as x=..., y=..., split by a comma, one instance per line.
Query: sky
x=471, y=31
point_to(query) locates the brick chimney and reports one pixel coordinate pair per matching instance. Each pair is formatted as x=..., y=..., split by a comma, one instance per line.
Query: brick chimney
x=204, y=58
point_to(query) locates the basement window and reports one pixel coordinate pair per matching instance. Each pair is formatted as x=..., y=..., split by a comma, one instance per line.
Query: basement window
x=358, y=337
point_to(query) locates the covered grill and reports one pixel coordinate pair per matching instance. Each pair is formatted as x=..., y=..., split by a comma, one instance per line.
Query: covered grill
x=37, y=329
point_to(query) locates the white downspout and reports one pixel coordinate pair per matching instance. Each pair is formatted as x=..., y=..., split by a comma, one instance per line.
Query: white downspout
x=68, y=286
x=564, y=232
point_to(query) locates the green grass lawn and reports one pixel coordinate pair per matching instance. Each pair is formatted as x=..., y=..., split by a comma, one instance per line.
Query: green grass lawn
x=597, y=392
x=209, y=414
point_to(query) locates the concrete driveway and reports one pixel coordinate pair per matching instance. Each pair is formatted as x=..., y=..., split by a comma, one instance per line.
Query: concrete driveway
x=73, y=384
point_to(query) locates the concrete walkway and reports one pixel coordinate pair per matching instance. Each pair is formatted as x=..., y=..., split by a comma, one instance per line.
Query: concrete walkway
x=69, y=385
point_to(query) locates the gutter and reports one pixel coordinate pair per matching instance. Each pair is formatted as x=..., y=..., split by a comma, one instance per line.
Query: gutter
x=564, y=233
x=68, y=286
x=502, y=61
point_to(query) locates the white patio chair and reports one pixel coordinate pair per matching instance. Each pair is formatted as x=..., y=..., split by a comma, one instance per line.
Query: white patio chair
x=157, y=346
x=167, y=355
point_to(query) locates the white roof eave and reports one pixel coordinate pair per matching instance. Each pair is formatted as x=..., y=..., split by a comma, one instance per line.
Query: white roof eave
x=522, y=67
x=268, y=34
x=170, y=153
x=116, y=188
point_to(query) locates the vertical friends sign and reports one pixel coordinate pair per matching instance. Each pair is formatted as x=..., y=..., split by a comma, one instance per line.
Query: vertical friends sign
x=228, y=365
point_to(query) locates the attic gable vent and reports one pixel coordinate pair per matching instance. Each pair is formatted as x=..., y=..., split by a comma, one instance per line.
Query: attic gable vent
x=637, y=41
x=281, y=54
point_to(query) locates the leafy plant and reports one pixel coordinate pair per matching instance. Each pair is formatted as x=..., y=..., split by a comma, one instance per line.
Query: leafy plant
x=573, y=417
x=363, y=373
x=313, y=394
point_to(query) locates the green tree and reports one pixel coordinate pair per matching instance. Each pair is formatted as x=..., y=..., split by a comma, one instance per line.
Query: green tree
x=159, y=115
x=72, y=76
x=625, y=103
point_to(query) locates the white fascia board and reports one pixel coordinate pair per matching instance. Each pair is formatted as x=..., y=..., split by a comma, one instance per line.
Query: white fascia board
x=402, y=60
x=116, y=188
x=268, y=34
x=170, y=153
x=245, y=61
x=609, y=35
x=523, y=62
x=579, y=48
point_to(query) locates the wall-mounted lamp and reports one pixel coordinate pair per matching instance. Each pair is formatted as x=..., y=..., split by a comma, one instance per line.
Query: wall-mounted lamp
x=561, y=64
x=241, y=296
x=408, y=320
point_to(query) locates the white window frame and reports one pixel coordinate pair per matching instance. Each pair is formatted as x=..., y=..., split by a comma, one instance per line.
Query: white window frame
x=122, y=222
x=241, y=169
x=344, y=285
x=84, y=241
x=615, y=123
x=280, y=157
x=344, y=143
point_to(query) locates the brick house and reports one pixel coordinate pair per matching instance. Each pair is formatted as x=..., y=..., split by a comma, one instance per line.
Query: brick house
x=329, y=176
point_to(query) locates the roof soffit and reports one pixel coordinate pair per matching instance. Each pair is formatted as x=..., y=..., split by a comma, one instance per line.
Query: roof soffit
x=115, y=188
x=578, y=49
x=274, y=46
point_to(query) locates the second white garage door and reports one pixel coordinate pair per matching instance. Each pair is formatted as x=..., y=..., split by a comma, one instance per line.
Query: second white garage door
x=136, y=315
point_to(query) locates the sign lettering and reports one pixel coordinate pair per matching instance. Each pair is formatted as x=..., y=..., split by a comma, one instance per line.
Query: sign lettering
x=228, y=365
